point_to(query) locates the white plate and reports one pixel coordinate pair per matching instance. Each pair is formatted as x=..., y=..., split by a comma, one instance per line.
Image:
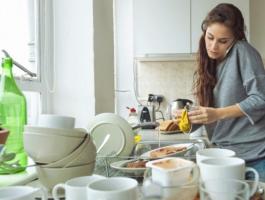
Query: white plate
x=121, y=140
x=188, y=146
x=21, y=178
x=121, y=165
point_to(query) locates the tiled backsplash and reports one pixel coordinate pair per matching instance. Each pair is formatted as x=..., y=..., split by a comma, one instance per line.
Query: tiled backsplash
x=172, y=79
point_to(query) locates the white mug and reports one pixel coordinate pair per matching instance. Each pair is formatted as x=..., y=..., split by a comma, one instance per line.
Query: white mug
x=227, y=168
x=224, y=189
x=56, y=121
x=213, y=153
x=118, y=188
x=21, y=193
x=75, y=188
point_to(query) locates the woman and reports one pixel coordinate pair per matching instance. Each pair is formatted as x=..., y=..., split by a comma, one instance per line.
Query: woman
x=229, y=86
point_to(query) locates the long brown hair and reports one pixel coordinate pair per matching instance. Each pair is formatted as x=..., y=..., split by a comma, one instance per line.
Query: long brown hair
x=205, y=75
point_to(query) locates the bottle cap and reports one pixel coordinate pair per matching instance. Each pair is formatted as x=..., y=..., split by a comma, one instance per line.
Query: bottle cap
x=132, y=110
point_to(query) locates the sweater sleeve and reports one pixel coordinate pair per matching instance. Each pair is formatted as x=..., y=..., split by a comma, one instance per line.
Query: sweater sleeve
x=253, y=77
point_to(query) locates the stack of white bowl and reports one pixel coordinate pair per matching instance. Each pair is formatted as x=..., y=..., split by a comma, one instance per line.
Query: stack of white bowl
x=60, y=153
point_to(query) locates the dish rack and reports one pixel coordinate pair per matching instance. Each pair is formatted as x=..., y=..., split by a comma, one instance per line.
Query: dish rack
x=104, y=163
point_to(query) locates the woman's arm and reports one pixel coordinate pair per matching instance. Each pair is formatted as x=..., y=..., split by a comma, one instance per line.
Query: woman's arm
x=206, y=115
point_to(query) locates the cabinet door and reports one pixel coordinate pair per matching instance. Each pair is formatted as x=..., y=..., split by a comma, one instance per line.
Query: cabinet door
x=161, y=26
x=199, y=10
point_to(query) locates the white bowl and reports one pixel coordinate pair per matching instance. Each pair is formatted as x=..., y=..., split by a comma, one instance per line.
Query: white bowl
x=85, y=153
x=47, y=148
x=49, y=177
x=56, y=121
x=77, y=132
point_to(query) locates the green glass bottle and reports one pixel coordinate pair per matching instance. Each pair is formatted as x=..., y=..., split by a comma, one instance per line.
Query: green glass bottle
x=13, y=115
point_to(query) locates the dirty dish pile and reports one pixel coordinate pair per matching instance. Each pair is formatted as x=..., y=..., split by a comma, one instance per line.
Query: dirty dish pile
x=60, y=154
x=175, y=150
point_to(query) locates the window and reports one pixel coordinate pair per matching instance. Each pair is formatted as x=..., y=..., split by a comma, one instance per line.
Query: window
x=26, y=35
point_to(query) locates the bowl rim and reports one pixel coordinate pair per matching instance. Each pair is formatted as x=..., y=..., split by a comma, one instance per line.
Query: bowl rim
x=53, y=131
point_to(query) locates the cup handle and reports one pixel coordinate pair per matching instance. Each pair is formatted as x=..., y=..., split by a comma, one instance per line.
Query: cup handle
x=55, y=189
x=44, y=195
x=256, y=180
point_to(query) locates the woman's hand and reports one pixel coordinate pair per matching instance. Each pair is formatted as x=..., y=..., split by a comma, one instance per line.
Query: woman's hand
x=203, y=115
x=207, y=115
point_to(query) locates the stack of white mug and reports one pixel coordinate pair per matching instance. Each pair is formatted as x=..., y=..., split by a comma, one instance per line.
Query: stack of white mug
x=222, y=175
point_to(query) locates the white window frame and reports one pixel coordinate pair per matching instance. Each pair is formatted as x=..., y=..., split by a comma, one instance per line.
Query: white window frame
x=44, y=55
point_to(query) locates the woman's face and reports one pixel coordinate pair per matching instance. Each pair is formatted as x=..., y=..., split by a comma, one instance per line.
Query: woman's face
x=218, y=39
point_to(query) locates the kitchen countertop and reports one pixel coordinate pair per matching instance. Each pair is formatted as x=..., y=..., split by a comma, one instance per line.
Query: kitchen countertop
x=153, y=135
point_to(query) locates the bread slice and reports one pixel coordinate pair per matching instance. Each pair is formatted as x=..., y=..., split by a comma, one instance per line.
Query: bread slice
x=137, y=164
x=165, y=125
x=173, y=127
x=169, y=125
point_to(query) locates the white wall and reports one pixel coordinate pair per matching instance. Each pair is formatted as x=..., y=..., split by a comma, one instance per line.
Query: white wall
x=73, y=60
x=103, y=55
x=83, y=58
x=257, y=25
x=124, y=56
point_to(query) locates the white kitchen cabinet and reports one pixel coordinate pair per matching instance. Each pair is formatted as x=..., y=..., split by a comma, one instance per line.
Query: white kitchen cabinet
x=199, y=10
x=161, y=26
x=173, y=26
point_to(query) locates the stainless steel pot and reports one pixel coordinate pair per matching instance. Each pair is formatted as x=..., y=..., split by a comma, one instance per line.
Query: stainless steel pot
x=177, y=105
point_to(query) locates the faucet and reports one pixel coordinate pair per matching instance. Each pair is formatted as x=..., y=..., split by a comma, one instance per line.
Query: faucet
x=19, y=65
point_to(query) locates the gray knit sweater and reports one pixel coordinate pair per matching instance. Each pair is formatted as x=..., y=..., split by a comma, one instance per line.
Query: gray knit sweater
x=241, y=79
